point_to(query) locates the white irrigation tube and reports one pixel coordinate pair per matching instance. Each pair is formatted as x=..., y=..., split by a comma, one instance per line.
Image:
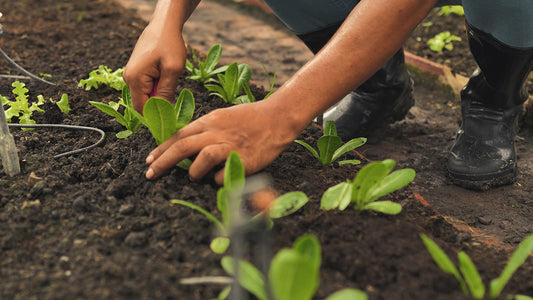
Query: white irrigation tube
x=71, y=127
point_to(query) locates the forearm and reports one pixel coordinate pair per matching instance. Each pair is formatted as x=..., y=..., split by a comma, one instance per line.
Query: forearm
x=370, y=35
x=172, y=14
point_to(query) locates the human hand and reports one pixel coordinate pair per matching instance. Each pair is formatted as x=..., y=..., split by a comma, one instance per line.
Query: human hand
x=256, y=131
x=159, y=56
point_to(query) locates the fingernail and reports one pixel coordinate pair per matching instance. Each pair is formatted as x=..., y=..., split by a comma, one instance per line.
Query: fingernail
x=149, y=173
x=150, y=159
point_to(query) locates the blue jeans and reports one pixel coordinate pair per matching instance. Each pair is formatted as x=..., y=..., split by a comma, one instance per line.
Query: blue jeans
x=509, y=21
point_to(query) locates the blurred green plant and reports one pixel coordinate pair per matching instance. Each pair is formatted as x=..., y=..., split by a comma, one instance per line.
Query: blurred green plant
x=203, y=71
x=443, y=40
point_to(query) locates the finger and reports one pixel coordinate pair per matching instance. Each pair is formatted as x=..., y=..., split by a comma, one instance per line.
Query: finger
x=168, y=81
x=187, y=131
x=208, y=158
x=175, y=153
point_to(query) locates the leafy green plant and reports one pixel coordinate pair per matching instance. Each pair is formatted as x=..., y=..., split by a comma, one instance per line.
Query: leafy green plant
x=103, y=75
x=451, y=9
x=206, y=69
x=129, y=118
x=330, y=146
x=468, y=277
x=441, y=41
x=371, y=182
x=294, y=273
x=21, y=108
x=230, y=196
x=230, y=84
x=62, y=103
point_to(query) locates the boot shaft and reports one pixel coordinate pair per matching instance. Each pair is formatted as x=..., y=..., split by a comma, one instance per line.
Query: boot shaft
x=500, y=82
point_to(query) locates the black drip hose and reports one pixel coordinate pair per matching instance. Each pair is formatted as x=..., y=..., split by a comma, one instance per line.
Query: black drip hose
x=71, y=127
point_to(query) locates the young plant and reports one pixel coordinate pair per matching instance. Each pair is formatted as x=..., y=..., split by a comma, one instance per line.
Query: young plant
x=330, y=146
x=103, y=75
x=294, y=273
x=371, y=182
x=206, y=69
x=468, y=276
x=21, y=108
x=231, y=83
x=129, y=118
x=230, y=196
x=62, y=103
x=451, y=9
x=443, y=40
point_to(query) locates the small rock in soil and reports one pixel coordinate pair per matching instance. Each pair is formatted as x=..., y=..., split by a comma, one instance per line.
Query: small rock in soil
x=484, y=220
x=136, y=239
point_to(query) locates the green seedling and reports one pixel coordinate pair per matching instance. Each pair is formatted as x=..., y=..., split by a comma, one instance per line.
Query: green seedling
x=21, y=109
x=294, y=273
x=231, y=83
x=62, y=103
x=371, y=182
x=230, y=196
x=206, y=69
x=443, y=40
x=271, y=81
x=330, y=146
x=468, y=275
x=103, y=75
x=129, y=118
x=451, y=9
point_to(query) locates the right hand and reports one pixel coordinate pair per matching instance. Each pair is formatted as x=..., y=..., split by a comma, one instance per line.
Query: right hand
x=159, y=55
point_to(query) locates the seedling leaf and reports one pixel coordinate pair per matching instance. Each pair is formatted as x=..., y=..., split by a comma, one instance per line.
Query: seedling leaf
x=396, y=180
x=308, y=147
x=386, y=207
x=287, y=204
x=471, y=275
x=348, y=294
x=159, y=114
x=249, y=276
x=519, y=256
x=337, y=196
x=350, y=145
x=219, y=245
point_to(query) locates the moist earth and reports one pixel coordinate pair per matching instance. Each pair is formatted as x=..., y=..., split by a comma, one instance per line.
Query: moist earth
x=90, y=226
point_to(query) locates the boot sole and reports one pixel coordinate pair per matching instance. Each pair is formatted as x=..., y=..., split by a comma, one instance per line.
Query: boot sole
x=483, y=182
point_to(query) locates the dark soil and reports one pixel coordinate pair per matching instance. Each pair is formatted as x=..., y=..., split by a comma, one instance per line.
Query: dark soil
x=90, y=226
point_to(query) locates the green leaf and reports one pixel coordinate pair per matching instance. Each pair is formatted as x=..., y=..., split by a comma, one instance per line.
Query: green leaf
x=212, y=58
x=124, y=134
x=250, y=277
x=63, y=104
x=348, y=294
x=287, y=204
x=244, y=76
x=337, y=196
x=443, y=261
x=160, y=117
x=108, y=109
x=184, y=108
x=294, y=273
x=395, y=181
x=471, y=275
x=367, y=178
x=386, y=207
x=204, y=212
x=349, y=162
x=326, y=147
x=234, y=174
x=219, y=245
x=350, y=145
x=330, y=128
x=519, y=256
x=308, y=147
x=230, y=82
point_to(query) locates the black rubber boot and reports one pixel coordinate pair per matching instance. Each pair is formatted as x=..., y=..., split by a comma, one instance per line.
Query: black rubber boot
x=484, y=153
x=385, y=97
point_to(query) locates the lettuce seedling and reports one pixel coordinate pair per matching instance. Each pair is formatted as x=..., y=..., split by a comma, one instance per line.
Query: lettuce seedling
x=371, y=182
x=129, y=118
x=103, y=75
x=62, y=104
x=230, y=196
x=468, y=276
x=441, y=41
x=294, y=273
x=451, y=9
x=231, y=83
x=206, y=69
x=330, y=146
x=21, y=108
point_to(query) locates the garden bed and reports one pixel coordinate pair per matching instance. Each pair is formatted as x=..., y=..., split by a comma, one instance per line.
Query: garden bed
x=90, y=226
